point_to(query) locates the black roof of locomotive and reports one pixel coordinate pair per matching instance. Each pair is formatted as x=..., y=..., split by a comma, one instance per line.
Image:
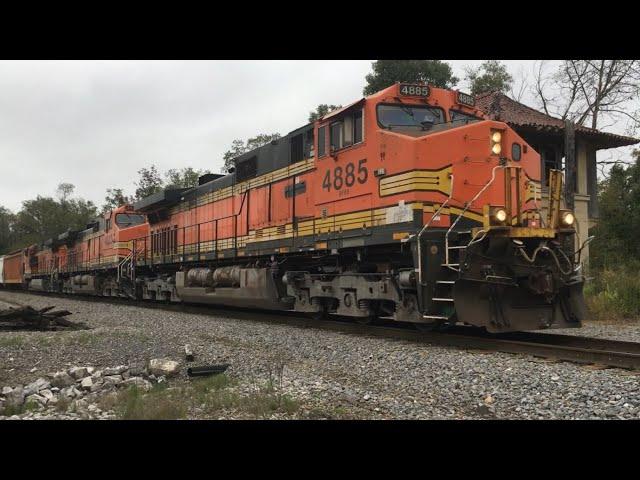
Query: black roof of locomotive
x=160, y=199
x=269, y=157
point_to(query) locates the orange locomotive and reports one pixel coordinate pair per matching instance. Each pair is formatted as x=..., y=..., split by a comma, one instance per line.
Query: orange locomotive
x=406, y=205
x=91, y=261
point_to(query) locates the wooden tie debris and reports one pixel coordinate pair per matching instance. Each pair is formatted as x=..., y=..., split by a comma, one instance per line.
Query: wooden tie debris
x=28, y=318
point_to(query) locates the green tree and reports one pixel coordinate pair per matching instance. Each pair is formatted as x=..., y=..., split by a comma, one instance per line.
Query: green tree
x=184, y=178
x=7, y=218
x=490, y=76
x=113, y=199
x=149, y=182
x=45, y=218
x=619, y=219
x=321, y=111
x=387, y=72
x=238, y=147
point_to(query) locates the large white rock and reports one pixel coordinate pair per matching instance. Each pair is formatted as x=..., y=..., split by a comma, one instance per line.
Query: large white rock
x=68, y=392
x=46, y=393
x=86, y=383
x=164, y=366
x=35, y=387
x=119, y=370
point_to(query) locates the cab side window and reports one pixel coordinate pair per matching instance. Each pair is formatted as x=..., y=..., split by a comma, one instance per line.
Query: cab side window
x=322, y=141
x=347, y=130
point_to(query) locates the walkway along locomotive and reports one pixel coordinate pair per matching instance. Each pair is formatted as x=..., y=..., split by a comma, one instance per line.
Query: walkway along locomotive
x=406, y=205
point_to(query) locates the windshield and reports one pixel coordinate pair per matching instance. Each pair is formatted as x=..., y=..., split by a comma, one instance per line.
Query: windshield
x=457, y=116
x=400, y=115
x=129, y=220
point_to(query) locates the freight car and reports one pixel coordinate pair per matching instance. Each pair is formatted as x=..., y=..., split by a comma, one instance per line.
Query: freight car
x=12, y=266
x=407, y=205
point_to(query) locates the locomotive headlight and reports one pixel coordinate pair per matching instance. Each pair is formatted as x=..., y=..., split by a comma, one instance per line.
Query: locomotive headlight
x=500, y=215
x=497, y=215
x=567, y=218
x=496, y=142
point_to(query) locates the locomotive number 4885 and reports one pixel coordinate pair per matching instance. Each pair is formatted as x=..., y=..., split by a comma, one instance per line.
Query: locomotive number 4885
x=346, y=176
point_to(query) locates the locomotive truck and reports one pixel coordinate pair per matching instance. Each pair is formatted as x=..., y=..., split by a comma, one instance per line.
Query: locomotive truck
x=407, y=205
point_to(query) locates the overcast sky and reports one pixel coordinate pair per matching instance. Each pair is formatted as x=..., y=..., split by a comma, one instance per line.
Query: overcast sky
x=95, y=123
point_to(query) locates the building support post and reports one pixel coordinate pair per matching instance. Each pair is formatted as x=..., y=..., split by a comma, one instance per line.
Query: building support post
x=570, y=164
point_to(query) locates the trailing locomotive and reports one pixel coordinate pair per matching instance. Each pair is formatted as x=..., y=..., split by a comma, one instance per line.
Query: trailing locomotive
x=406, y=205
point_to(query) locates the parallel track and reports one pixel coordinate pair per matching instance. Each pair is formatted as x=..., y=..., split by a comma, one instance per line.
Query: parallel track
x=577, y=349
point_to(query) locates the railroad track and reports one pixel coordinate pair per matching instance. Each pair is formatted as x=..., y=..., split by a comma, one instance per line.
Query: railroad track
x=572, y=348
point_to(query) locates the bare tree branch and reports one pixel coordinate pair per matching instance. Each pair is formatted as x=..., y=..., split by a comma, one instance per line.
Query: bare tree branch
x=591, y=90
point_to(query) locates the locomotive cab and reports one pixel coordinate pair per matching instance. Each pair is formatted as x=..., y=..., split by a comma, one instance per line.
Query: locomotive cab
x=488, y=253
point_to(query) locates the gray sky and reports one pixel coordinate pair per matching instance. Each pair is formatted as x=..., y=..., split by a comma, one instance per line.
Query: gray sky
x=95, y=123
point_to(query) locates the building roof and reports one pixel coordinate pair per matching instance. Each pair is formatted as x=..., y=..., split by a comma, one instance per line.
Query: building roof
x=499, y=107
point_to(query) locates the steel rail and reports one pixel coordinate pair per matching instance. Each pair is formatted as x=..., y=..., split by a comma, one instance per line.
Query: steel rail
x=571, y=348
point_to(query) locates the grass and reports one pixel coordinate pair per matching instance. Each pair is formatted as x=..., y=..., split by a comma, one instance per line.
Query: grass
x=12, y=341
x=211, y=397
x=614, y=294
x=157, y=404
x=28, y=406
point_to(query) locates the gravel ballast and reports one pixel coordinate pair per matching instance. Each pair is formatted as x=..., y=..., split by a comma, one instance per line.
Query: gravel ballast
x=331, y=374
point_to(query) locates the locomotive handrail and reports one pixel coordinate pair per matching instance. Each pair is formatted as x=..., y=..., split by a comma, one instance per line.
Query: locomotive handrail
x=464, y=210
x=198, y=228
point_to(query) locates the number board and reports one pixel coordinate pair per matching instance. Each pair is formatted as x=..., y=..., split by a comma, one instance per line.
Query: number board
x=410, y=90
x=466, y=99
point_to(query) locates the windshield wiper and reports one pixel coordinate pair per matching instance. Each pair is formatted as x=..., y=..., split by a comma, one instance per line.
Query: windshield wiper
x=390, y=125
